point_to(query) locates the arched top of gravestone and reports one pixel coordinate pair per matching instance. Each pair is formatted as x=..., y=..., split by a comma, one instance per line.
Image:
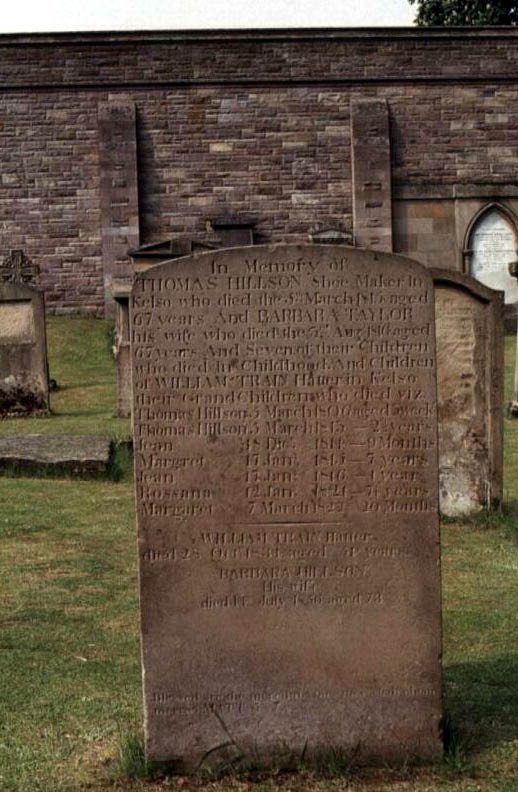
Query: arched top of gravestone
x=295, y=259
x=488, y=210
x=467, y=283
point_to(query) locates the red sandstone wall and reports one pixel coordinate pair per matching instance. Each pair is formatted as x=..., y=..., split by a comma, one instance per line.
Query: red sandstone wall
x=259, y=126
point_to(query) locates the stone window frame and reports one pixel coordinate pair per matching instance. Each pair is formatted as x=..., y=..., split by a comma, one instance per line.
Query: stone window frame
x=493, y=206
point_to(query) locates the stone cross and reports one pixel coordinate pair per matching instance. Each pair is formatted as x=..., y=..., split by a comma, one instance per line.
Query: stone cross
x=18, y=268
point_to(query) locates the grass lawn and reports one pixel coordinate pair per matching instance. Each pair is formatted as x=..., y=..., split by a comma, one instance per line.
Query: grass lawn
x=70, y=689
x=81, y=362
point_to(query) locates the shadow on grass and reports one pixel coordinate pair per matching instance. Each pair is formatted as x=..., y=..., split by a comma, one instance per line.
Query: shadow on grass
x=80, y=412
x=481, y=699
x=506, y=518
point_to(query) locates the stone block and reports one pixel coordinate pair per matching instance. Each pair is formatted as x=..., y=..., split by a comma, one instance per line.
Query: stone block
x=70, y=455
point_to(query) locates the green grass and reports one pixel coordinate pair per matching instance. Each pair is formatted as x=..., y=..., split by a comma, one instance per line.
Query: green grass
x=69, y=646
x=70, y=690
x=81, y=362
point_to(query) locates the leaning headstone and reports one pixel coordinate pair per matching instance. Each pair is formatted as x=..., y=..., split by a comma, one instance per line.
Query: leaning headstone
x=287, y=499
x=24, y=385
x=470, y=380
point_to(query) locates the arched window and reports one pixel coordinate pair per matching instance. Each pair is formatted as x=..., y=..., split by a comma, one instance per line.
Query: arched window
x=490, y=249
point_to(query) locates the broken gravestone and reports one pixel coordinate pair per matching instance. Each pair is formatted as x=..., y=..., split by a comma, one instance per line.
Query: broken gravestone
x=287, y=500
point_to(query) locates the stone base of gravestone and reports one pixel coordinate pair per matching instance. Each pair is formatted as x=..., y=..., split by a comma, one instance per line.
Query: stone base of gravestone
x=287, y=497
x=24, y=384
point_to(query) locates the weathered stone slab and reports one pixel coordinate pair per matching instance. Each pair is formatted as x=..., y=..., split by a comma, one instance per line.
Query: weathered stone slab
x=121, y=290
x=81, y=456
x=24, y=385
x=470, y=381
x=287, y=500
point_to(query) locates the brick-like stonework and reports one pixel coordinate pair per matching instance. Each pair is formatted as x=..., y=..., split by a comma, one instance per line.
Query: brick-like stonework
x=119, y=192
x=372, y=180
x=239, y=123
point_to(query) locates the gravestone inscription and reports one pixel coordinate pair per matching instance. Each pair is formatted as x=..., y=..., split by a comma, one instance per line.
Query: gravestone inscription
x=287, y=500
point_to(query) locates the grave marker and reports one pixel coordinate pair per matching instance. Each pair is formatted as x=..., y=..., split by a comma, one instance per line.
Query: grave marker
x=24, y=385
x=470, y=380
x=287, y=499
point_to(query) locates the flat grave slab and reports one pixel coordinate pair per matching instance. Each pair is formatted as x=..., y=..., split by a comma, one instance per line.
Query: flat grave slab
x=81, y=456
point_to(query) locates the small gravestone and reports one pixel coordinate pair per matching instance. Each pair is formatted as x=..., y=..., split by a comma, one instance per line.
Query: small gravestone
x=24, y=385
x=470, y=379
x=287, y=499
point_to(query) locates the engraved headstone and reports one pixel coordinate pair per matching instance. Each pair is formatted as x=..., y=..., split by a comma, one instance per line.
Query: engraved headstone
x=470, y=383
x=287, y=500
x=24, y=384
x=493, y=246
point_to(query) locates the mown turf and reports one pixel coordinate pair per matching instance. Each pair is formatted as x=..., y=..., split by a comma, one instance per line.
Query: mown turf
x=69, y=641
x=70, y=692
x=81, y=362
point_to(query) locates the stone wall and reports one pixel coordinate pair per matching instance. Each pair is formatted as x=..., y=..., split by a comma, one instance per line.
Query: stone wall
x=255, y=123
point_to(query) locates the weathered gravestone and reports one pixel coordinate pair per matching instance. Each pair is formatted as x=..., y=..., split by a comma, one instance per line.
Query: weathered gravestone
x=121, y=290
x=470, y=376
x=287, y=498
x=24, y=386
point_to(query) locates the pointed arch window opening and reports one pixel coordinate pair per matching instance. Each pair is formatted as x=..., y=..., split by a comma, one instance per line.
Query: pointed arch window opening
x=491, y=246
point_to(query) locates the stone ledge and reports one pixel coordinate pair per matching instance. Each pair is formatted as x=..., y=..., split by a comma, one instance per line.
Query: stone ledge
x=69, y=455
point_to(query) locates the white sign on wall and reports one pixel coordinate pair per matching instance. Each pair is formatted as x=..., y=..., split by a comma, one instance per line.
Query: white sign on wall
x=494, y=246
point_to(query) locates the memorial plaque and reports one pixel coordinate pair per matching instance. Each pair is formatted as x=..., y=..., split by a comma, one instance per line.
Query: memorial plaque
x=287, y=500
x=494, y=248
